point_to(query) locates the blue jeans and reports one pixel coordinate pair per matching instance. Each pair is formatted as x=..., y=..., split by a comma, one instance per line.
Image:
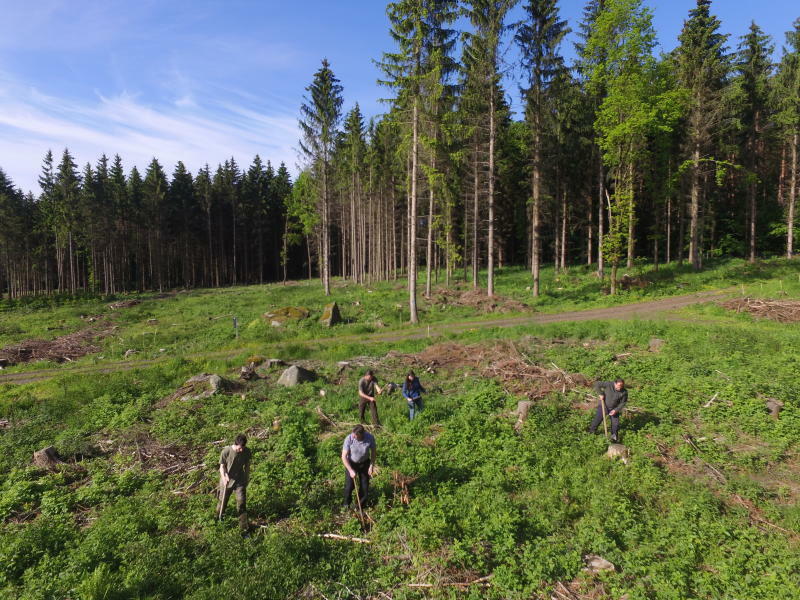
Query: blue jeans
x=414, y=407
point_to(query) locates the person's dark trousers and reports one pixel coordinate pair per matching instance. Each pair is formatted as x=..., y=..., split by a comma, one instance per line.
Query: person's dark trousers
x=414, y=408
x=373, y=409
x=241, y=502
x=362, y=472
x=598, y=418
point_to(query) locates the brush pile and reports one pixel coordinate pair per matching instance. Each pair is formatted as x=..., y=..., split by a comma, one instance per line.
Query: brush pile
x=504, y=361
x=66, y=348
x=478, y=300
x=782, y=311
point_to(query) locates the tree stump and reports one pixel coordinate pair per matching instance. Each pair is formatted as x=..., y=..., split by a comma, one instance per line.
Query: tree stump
x=774, y=407
x=523, y=408
x=47, y=458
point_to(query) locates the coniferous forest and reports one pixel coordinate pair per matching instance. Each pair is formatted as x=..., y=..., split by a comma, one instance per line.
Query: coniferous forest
x=619, y=155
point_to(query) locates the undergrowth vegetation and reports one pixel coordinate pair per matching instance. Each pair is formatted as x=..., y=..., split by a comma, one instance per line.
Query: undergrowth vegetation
x=190, y=323
x=707, y=507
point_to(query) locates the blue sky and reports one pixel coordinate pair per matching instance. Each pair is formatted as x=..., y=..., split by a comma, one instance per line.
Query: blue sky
x=201, y=81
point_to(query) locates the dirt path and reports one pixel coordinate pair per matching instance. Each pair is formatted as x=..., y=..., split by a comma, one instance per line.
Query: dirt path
x=640, y=310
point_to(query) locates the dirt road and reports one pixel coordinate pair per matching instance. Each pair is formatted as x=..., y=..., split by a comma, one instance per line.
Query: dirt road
x=639, y=310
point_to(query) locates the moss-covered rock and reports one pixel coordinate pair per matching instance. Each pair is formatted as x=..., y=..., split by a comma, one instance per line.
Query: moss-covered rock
x=287, y=314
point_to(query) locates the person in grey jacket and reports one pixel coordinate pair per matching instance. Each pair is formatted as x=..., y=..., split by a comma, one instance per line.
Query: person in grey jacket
x=613, y=397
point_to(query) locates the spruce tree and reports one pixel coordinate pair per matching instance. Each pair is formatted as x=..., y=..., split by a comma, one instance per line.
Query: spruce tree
x=539, y=36
x=321, y=112
x=752, y=93
x=488, y=20
x=702, y=69
x=786, y=99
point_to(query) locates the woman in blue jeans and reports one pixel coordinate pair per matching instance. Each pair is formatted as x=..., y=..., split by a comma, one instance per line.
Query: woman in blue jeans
x=412, y=392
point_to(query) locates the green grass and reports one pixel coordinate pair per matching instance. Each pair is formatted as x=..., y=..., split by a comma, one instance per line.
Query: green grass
x=714, y=518
x=201, y=321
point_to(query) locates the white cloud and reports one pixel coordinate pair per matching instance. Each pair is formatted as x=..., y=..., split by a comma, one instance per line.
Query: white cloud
x=196, y=129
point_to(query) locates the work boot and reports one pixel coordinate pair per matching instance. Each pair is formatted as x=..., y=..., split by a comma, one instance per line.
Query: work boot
x=614, y=438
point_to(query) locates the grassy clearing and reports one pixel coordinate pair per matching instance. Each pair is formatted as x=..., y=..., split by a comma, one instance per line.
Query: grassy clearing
x=706, y=509
x=201, y=321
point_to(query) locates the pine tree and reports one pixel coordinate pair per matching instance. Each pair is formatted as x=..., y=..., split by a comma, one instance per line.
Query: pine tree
x=66, y=191
x=405, y=72
x=353, y=150
x=154, y=196
x=786, y=99
x=702, y=69
x=321, y=113
x=539, y=37
x=752, y=92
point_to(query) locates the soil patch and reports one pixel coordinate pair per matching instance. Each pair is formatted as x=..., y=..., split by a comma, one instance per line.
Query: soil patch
x=478, y=300
x=782, y=311
x=503, y=361
x=65, y=348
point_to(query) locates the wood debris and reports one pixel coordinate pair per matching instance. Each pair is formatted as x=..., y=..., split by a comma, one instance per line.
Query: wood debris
x=782, y=311
x=65, y=348
x=503, y=361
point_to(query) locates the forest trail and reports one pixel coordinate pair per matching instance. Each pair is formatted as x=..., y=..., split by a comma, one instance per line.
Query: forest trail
x=640, y=310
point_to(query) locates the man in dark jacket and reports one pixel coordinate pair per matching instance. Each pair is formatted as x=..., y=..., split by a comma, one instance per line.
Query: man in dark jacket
x=234, y=475
x=613, y=397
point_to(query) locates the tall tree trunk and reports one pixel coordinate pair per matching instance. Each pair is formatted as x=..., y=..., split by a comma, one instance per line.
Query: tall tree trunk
x=475, y=220
x=589, y=230
x=563, y=262
x=412, y=229
x=429, y=249
x=536, y=212
x=792, y=200
x=694, y=211
x=326, y=243
x=601, y=201
x=490, y=242
x=631, y=218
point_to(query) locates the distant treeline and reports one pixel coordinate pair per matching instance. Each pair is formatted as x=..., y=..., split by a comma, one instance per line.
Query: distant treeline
x=619, y=155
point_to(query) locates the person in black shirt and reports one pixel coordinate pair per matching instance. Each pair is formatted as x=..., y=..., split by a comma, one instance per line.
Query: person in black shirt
x=613, y=397
x=367, y=390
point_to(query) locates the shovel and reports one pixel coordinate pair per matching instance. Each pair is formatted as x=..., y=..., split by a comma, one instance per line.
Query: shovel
x=603, y=411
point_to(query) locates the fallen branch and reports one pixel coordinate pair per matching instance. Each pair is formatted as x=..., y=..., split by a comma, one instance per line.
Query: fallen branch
x=710, y=402
x=479, y=581
x=345, y=538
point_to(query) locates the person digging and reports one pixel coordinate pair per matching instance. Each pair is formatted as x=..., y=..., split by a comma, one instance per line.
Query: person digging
x=611, y=402
x=367, y=390
x=412, y=392
x=234, y=474
x=358, y=456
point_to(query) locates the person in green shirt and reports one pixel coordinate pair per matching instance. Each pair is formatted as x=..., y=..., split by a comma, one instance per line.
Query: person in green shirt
x=234, y=474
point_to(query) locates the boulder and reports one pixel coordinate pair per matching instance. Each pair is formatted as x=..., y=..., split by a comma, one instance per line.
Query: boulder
x=295, y=375
x=287, y=314
x=47, y=458
x=597, y=564
x=656, y=344
x=331, y=315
